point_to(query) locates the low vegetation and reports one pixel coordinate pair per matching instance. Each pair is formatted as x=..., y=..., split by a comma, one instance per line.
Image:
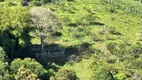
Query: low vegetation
x=102, y=39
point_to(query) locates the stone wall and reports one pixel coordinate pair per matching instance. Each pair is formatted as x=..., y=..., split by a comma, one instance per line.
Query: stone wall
x=49, y=54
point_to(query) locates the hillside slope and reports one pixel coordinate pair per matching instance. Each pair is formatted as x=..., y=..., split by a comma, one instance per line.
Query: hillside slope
x=96, y=39
x=114, y=34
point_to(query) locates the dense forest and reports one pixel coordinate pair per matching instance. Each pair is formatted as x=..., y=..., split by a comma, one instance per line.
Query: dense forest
x=70, y=39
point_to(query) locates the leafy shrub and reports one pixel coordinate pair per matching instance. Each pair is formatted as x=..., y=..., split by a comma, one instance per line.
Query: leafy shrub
x=25, y=74
x=112, y=37
x=103, y=74
x=117, y=47
x=30, y=64
x=111, y=46
x=3, y=56
x=65, y=75
x=135, y=48
x=38, y=2
x=4, y=72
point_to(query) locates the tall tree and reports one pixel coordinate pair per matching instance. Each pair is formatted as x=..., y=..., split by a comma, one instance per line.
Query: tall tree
x=13, y=19
x=45, y=23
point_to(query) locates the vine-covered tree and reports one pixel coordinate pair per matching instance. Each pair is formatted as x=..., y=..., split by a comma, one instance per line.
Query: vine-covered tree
x=45, y=23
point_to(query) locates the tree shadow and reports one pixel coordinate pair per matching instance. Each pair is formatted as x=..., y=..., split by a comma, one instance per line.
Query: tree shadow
x=18, y=49
x=12, y=46
x=86, y=24
x=23, y=50
x=71, y=53
x=54, y=53
x=97, y=23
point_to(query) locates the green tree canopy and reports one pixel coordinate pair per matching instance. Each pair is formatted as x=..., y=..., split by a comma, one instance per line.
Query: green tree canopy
x=25, y=74
x=3, y=56
x=30, y=64
x=13, y=19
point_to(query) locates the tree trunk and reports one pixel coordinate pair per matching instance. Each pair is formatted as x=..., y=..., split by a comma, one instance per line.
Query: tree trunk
x=42, y=44
x=17, y=47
